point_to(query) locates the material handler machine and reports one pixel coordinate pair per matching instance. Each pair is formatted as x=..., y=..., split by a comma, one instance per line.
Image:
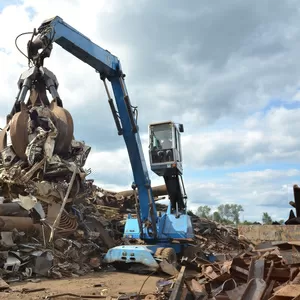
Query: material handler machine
x=164, y=235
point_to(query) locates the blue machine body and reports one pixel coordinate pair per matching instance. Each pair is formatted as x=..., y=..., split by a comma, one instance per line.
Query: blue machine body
x=170, y=229
x=168, y=225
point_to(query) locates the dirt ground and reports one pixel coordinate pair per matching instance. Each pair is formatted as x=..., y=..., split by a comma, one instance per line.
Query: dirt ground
x=115, y=283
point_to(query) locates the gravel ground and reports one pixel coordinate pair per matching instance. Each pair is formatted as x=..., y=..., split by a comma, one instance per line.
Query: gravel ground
x=114, y=282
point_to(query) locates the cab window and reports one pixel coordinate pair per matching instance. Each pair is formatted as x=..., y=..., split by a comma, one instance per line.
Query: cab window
x=161, y=137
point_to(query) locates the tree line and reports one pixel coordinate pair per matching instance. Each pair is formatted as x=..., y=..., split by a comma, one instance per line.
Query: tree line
x=230, y=214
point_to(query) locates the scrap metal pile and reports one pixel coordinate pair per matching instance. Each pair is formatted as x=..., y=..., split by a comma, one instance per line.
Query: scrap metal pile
x=259, y=273
x=217, y=238
x=44, y=192
x=97, y=217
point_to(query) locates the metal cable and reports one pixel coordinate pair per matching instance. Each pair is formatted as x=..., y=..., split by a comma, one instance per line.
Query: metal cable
x=145, y=282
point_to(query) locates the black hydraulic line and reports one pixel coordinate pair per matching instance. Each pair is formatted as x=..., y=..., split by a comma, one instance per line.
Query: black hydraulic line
x=112, y=107
x=128, y=106
x=115, y=116
x=129, y=109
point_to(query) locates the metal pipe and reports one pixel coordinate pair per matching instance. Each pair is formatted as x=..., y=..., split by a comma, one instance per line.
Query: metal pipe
x=57, y=220
x=157, y=191
x=8, y=223
x=13, y=209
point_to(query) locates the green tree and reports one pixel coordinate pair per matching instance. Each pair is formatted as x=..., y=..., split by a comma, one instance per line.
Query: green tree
x=216, y=217
x=227, y=222
x=236, y=209
x=247, y=222
x=224, y=211
x=203, y=212
x=190, y=213
x=230, y=212
x=266, y=219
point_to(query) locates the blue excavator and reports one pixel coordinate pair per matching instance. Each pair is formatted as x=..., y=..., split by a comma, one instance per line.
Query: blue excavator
x=164, y=235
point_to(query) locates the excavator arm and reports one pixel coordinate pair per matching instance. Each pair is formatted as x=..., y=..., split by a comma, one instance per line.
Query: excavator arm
x=55, y=30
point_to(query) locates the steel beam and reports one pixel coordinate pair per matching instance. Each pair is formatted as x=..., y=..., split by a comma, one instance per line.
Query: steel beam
x=178, y=287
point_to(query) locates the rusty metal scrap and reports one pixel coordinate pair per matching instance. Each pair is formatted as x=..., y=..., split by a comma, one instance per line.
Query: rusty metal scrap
x=13, y=209
x=261, y=273
x=86, y=230
x=177, y=291
x=240, y=271
x=8, y=223
x=38, y=157
x=217, y=238
x=44, y=194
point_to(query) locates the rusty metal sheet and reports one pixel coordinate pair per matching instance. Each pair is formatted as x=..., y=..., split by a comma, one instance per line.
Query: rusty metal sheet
x=254, y=290
x=268, y=290
x=3, y=137
x=262, y=233
x=280, y=274
x=198, y=288
x=9, y=223
x=291, y=256
x=236, y=293
x=19, y=133
x=291, y=290
x=257, y=269
x=168, y=268
x=65, y=127
x=3, y=285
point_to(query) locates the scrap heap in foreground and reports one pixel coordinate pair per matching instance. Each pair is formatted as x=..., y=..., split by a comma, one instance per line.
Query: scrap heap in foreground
x=261, y=271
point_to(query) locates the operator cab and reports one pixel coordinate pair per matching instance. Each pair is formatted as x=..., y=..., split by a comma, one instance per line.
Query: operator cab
x=165, y=148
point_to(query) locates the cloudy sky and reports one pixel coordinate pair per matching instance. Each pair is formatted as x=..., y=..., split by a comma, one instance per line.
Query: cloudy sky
x=228, y=70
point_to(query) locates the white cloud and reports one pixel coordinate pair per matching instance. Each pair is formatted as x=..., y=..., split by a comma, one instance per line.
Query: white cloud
x=257, y=192
x=265, y=175
x=109, y=162
x=114, y=168
x=260, y=139
x=184, y=68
